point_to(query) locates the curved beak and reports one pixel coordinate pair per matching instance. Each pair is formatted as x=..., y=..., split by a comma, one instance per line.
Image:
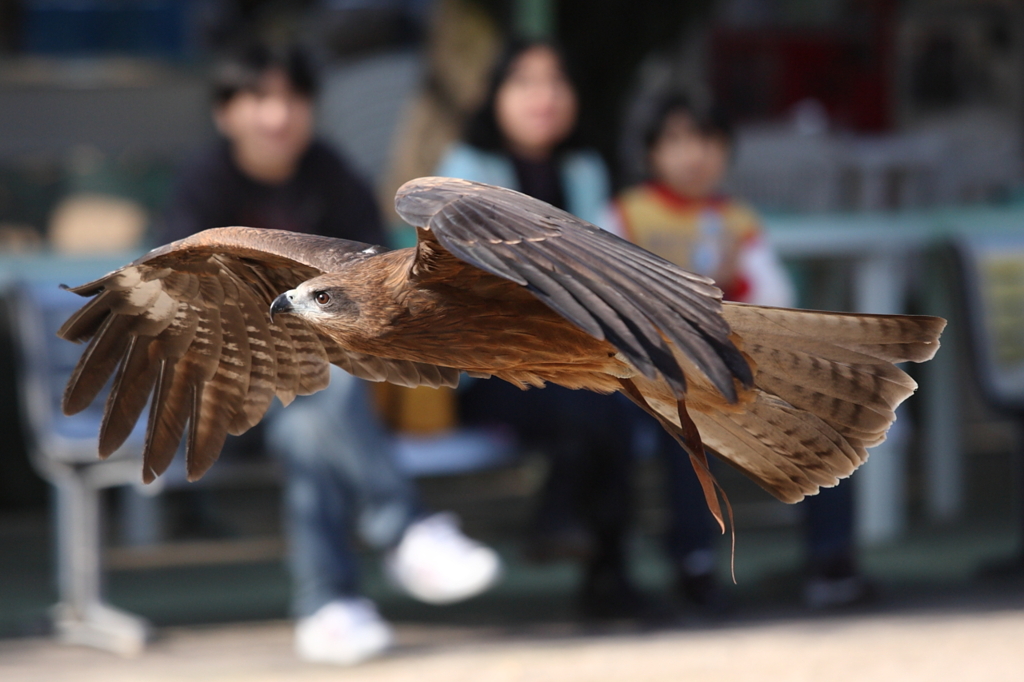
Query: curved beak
x=281, y=304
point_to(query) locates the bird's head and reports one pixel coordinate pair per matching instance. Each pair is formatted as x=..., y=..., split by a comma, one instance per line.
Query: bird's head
x=320, y=301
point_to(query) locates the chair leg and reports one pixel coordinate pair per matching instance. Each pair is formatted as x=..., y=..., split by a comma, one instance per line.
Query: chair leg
x=141, y=517
x=82, y=617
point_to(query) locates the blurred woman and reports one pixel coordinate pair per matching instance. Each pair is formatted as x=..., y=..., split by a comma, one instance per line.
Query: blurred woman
x=525, y=137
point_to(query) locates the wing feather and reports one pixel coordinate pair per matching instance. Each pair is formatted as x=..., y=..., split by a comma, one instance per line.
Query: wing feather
x=168, y=414
x=287, y=379
x=189, y=325
x=96, y=363
x=135, y=377
x=85, y=323
x=234, y=371
x=400, y=372
x=606, y=286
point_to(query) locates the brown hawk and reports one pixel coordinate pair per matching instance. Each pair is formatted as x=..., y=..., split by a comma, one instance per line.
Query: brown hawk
x=208, y=329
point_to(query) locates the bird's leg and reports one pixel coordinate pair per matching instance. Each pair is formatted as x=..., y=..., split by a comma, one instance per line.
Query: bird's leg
x=689, y=439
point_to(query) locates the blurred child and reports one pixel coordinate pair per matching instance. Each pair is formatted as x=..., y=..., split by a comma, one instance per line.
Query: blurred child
x=681, y=215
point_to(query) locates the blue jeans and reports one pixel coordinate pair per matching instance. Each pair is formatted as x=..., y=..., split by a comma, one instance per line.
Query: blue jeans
x=341, y=476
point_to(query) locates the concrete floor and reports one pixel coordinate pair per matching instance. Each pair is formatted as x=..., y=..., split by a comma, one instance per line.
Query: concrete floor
x=959, y=645
x=937, y=619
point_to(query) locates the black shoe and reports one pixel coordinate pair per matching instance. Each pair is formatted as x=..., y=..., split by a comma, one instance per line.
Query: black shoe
x=836, y=584
x=703, y=591
x=563, y=542
x=609, y=595
x=696, y=583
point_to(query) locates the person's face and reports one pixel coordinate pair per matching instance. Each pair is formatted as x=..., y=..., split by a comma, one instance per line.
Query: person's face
x=270, y=127
x=536, y=106
x=688, y=160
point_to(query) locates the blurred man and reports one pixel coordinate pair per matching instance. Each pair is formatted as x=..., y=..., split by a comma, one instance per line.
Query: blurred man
x=269, y=171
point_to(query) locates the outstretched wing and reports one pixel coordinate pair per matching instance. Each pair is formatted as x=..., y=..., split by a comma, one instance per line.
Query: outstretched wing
x=189, y=324
x=642, y=304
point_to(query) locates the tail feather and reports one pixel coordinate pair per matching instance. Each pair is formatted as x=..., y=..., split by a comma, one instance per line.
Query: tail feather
x=788, y=451
x=847, y=415
x=889, y=338
x=826, y=389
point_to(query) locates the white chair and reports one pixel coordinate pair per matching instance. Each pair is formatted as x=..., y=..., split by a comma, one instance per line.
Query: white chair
x=64, y=451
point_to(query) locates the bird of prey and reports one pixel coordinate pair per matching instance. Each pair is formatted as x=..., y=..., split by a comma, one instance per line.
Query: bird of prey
x=209, y=329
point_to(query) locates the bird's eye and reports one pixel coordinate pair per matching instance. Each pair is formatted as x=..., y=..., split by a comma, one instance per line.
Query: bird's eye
x=322, y=297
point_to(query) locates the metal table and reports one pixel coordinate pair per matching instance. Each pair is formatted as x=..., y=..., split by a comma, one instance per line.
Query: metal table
x=880, y=246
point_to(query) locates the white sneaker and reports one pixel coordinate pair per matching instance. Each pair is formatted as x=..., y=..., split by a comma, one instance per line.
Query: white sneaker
x=436, y=563
x=343, y=632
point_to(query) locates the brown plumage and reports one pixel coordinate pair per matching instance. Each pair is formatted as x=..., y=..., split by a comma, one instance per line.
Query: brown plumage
x=499, y=285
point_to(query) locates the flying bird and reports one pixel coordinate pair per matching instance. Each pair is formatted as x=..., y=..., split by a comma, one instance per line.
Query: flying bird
x=209, y=329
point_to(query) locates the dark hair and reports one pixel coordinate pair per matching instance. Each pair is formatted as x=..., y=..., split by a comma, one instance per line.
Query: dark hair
x=241, y=69
x=482, y=130
x=711, y=121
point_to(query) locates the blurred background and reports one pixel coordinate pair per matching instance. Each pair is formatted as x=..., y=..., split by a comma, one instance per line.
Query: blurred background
x=880, y=140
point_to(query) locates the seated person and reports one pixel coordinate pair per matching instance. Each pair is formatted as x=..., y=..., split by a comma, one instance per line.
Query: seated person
x=525, y=136
x=680, y=214
x=268, y=171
